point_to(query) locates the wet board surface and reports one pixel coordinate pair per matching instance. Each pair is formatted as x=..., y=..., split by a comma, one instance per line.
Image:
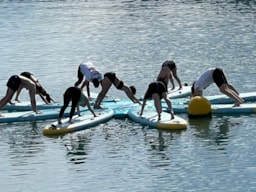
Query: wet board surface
x=26, y=105
x=219, y=99
x=179, y=93
x=245, y=108
x=86, y=120
x=21, y=116
x=150, y=118
x=28, y=116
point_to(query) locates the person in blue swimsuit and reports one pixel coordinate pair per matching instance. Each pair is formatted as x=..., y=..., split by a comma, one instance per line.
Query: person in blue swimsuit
x=77, y=98
x=109, y=79
x=157, y=91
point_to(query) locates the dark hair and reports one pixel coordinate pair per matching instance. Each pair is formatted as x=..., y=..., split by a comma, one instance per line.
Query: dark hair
x=41, y=90
x=48, y=98
x=95, y=82
x=193, y=87
x=133, y=89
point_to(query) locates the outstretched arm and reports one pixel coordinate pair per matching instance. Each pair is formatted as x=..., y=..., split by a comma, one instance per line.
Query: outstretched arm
x=129, y=94
x=89, y=106
x=172, y=82
x=143, y=106
x=42, y=97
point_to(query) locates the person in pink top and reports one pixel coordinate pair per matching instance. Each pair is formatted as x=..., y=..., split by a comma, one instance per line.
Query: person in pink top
x=217, y=76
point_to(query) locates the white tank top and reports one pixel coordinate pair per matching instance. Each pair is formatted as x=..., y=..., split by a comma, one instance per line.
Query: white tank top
x=90, y=72
x=204, y=80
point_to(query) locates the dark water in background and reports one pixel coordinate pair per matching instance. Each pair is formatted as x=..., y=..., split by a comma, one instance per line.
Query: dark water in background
x=132, y=38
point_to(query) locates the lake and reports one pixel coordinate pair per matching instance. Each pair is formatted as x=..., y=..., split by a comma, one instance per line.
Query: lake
x=132, y=38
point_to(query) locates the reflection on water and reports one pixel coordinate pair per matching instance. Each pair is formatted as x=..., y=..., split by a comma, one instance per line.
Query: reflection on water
x=215, y=132
x=25, y=142
x=78, y=145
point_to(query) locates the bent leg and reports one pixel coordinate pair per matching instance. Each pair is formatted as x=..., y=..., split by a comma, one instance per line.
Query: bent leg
x=232, y=88
x=7, y=98
x=106, y=84
x=158, y=105
x=67, y=97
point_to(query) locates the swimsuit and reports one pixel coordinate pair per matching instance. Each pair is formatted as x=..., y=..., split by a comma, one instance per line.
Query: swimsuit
x=112, y=77
x=27, y=74
x=14, y=83
x=39, y=88
x=169, y=64
x=71, y=94
x=155, y=87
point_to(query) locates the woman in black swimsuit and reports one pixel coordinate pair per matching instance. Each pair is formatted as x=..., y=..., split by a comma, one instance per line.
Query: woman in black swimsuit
x=39, y=89
x=157, y=91
x=77, y=97
x=109, y=79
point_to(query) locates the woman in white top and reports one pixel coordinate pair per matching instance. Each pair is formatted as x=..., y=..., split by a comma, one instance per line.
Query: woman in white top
x=217, y=76
x=91, y=74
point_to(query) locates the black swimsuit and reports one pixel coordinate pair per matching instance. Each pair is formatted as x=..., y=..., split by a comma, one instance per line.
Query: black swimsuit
x=112, y=77
x=26, y=74
x=169, y=64
x=155, y=87
x=71, y=94
x=14, y=82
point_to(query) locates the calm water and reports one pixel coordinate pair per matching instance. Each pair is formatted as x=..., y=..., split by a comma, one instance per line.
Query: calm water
x=132, y=38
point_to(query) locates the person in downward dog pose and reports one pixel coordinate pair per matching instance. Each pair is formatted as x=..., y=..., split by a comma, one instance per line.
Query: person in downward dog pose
x=157, y=91
x=15, y=83
x=76, y=96
x=109, y=79
x=39, y=89
x=168, y=70
x=91, y=74
x=217, y=76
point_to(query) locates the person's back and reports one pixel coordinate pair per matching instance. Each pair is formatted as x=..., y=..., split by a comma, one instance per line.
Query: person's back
x=164, y=75
x=168, y=70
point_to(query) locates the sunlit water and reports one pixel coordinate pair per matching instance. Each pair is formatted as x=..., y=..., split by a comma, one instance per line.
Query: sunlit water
x=132, y=38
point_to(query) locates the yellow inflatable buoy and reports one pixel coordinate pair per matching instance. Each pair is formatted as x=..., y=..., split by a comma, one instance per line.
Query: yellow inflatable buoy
x=199, y=106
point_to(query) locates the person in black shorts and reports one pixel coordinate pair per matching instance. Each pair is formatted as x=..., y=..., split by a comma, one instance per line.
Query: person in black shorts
x=13, y=85
x=109, y=79
x=77, y=97
x=168, y=70
x=156, y=91
x=39, y=89
x=217, y=76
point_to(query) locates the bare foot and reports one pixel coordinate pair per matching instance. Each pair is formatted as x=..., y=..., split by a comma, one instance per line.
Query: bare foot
x=236, y=104
x=97, y=107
